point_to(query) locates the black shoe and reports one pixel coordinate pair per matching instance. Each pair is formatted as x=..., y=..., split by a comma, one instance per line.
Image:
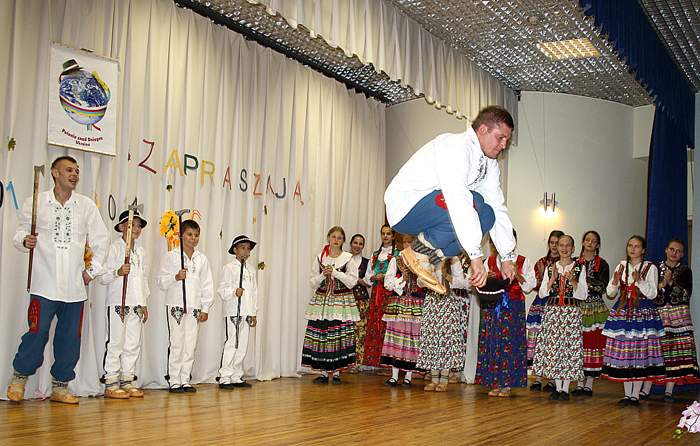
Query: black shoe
x=336, y=380
x=633, y=402
x=554, y=395
x=563, y=396
x=177, y=389
x=625, y=401
x=406, y=383
x=578, y=391
x=391, y=382
x=549, y=387
x=643, y=396
x=587, y=391
x=189, y=389
x=668, y=398
x=321, y=380
x=227, y=386
x=536, y=386
x=242, y=384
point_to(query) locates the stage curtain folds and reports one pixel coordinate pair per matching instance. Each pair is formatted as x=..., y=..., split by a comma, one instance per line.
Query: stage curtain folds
x=379, y=34
x=281, y=134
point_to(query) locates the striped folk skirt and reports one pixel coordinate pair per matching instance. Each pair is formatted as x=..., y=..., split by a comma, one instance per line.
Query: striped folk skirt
x=402, y=337
x=678, y=345
x=329, y=345
x=594, y=313
x=633, y=343
x=533, y=325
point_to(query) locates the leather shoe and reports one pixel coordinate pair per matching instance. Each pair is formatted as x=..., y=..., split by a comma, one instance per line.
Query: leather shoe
x=668, y=398
x=549, y=387
x=430, y=387
x=494, y=392
x=336, y=380
x=554, y=396
x=227, y=386
x=177, y=389
x=189, y=389
x=119, y=394
x=321, y=380
x=587, y=391
x=578, y=391
x=242, y=384
x=624, y=401
x=15, y=392
x=564, y=396
x=441, y=388
x=64, y=397
x=643, y=396
x=504, y=393
x=391, y=382
x=536, y=386
x=406, y=383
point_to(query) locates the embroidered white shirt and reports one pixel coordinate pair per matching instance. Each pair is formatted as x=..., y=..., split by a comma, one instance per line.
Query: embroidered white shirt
x=199, y=283
x=230, y=281
x=57, y=271
x=455, y=164
x=137, y=290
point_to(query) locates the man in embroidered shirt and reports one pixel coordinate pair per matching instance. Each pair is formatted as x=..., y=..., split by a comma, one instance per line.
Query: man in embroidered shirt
x=65, y=221
x=448, y=196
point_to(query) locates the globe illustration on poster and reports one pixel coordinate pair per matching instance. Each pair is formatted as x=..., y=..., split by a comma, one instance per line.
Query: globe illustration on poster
x=83, y=95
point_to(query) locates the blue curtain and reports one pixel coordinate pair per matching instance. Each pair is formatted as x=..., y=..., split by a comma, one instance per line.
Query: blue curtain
x=633, y=37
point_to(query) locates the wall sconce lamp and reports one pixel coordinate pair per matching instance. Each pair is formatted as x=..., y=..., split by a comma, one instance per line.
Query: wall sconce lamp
x=548, y=203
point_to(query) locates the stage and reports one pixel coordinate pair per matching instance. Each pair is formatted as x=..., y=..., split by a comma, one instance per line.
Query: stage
x=358, y=411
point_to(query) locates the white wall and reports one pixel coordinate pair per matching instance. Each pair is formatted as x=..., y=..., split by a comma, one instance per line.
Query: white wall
x=581, y=149
x=409, y=126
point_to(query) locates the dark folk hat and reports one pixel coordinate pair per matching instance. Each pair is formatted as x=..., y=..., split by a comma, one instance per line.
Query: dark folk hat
x=493, y=289
x=124, y=216
x=241, y=238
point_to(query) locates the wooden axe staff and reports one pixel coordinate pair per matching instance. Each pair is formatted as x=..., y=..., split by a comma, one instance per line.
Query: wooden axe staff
x=37, y=170
x=127, y=254
x=182, y=257
x=240, y=285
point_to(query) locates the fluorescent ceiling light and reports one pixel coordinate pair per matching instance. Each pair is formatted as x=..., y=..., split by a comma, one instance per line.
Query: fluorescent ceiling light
x=568, y=49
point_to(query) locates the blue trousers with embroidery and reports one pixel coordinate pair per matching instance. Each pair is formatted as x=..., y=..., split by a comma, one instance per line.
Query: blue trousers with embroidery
x=66, y=340
x=434, y=222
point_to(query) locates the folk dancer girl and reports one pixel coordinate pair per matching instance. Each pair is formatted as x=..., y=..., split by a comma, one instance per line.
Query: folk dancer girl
x=558, y=354
x=534, y=315
x=594, y=312
x=672, y=301
x=502, y=360
x=403, y=317
x=634, y=328
x=376, y=327
x=329, y=342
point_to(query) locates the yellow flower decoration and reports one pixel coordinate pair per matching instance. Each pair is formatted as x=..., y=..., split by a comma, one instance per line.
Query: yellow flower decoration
x=261, y=265
x=170, y=227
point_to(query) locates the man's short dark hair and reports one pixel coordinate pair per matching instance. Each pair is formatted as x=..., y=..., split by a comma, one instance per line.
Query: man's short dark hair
x=59, y=159
x=492, y=116
x=189, y=224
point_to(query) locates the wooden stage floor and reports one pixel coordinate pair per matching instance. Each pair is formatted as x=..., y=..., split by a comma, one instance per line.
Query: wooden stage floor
x=361, y=410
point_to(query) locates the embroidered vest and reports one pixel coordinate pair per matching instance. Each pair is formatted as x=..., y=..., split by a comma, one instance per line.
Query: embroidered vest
x=359, y=290
x=337, y=286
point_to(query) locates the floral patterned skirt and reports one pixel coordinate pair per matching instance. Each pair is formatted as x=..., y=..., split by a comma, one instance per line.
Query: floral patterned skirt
x=376, y=327
x=441, y=333
x=559, y=350
x=502, y=346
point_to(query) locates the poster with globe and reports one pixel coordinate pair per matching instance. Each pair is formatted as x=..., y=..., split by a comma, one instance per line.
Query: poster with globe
x=82, y=100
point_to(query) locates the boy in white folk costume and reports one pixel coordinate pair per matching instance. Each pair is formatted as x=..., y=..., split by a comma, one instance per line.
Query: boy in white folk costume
x=240, y=296
x=124, y=324
x=183, y=323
